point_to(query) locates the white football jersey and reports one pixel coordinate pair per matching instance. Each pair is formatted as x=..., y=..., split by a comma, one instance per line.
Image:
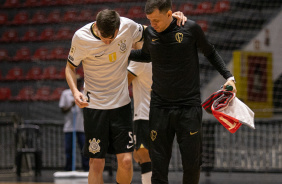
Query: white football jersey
x=105, y=66
x=141, y=86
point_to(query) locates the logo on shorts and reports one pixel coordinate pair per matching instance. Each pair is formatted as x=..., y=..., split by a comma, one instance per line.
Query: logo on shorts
x=153, y=135
x=122, y=46
x=94, y=146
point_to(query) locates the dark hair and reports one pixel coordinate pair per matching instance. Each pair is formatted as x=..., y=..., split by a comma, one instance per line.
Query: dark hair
x=162, y=5
x=107, y=22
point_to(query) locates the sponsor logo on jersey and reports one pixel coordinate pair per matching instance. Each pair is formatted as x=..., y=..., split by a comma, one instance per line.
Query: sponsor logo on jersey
x=71, y=58
x=122, y=46
x=94, y=146
x=113, y=57
x=153, y=135
x=179, y=37
x=154, y=39
x=193, y=133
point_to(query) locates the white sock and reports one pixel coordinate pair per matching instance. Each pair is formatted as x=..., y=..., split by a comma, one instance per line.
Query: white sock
x=146, y=178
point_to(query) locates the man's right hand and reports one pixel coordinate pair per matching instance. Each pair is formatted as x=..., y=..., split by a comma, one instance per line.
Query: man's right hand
x=80, y=100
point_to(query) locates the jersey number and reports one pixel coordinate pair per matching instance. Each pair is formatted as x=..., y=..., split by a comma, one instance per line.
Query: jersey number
x=87, y=94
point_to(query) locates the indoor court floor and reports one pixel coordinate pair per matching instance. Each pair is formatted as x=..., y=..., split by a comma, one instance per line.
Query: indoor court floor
x=174, y=178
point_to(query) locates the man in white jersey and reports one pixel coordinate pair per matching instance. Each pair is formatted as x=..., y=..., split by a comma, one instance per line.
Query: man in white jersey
x=140, y=75
x=103, y=48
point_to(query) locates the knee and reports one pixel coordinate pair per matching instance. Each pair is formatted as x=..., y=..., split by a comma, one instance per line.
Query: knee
x=96, y=165
x=126, y=163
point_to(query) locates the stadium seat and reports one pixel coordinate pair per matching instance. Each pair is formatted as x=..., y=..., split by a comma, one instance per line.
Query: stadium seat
x=59, y=53
x=30, y=36
x=31, y=3
x=136, y=12
x=4, y=55
x=47, y=34
x=5, y=93
x=40, y=54
x=38, y=17
x=10, y=35
x=21, y=18
x=49, y=2
x=54, y=17
x=3, y=19
x=203, y=24
x=62, y=74
x=42, y=94
x=34, y=73
x=25, y=94
x=56, y=94
x=204, y=8
x=49, y=73
x=15, y=73
x=22, y=54
x=221, y=6
x=86, y=15
x=80, y=72
x=187, y=8
x=121, y=10
x=64, y=33
x=70, y=16
x=11, y=4
x=1, y=77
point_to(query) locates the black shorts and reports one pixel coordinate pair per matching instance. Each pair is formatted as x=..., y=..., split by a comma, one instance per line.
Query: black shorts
x=107, y=131
x=141, y=133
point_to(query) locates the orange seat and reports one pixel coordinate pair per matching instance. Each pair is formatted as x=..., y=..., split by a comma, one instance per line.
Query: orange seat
x=136, y=12
x=3, y=18
x=10, y=36
x=70, y=16
x=42, y=93
x=203, y=24
x=221, y=6
x=40, y=54
x=204, y=8
x=4, y=55
x=11, y=4
x=59, y=53
x=5, y=93
x=15, y=73
x=187, y=8
x=64, y=33
x=34, y=73
x=30, y=36
x=49, y=73
x=47, y=34
x=25, y=94
x=38, y=17
x=21, y=18
x=54, y=17
x=56, y=94
x=22, y=54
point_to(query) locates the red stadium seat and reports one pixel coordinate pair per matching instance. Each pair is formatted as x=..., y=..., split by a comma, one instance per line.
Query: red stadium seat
x=22, y=54
x=204, y=8
x=15, y=73
x=86, y=15
x=122, y=11
x=64, y=33
x=40, y=54
x=62, y=74
x=221, y=6
x=21, y=18
x=49, y=73
x=80, y=72
x=4, y=55
x=203, y=24
x=31, y=3
x=56, y=94
x=5, y=93
x=11, y=4
x=25, y=94
x=3, y=18
x=10, y=36
x=47, y=34
x=136, y=12
x=42, y=93
x=1, y=77
x=187, y=8
x=59, y=53
x=49, y=2
x=70, y=16
x=34, y=73
x=54, y=17
x=30, y=36
x=38, y=17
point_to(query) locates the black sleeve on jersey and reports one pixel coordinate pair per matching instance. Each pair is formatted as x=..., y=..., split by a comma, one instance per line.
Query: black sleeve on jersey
x=139, y=56
x=210, y=53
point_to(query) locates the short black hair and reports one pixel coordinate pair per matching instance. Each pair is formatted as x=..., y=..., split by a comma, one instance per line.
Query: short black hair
x=162, y=5
x=107, y=22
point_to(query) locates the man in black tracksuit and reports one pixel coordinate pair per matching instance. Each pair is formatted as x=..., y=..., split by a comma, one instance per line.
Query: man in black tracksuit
x=175, y=98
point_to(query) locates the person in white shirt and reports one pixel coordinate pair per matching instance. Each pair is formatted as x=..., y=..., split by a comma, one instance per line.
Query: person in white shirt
x=103, y=48
x=140, y=75
x=71, y=111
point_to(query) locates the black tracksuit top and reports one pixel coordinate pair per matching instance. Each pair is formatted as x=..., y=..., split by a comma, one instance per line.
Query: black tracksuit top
x=175, y=63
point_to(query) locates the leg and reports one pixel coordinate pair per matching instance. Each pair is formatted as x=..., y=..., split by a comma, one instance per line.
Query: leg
x=125, y=168
x=96, y=168
x=68, y=151
x=141, y=156
x=85, y=161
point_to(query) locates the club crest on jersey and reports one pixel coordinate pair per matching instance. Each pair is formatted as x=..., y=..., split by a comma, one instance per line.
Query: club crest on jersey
x=179, y=37
x=153, y=135
x=122, y=46
x=94, y=146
